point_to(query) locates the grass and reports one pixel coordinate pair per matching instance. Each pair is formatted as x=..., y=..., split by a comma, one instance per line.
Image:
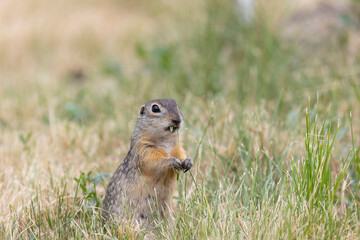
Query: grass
x=271, y=124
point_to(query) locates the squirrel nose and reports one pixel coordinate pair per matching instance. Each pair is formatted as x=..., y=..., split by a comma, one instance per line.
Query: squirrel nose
x=176, y=121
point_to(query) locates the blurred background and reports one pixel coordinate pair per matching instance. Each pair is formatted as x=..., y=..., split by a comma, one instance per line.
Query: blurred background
x=74, y=73
x=246, y=50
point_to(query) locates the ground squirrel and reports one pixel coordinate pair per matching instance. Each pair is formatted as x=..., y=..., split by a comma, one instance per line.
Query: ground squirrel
x=143, y=184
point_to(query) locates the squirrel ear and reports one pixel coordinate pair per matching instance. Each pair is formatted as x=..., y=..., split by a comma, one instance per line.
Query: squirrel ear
x=142, y=110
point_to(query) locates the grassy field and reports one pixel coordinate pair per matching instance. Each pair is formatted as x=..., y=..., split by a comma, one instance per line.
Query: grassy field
x=271, y=109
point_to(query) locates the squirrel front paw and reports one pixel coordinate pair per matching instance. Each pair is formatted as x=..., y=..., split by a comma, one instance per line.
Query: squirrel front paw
x=187, y=164
x=176, y=164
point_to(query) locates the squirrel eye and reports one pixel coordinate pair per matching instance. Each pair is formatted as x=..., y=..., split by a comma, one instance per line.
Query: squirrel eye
x=155, y=108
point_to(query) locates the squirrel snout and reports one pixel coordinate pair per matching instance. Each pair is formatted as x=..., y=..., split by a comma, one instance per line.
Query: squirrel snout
x=176, y=121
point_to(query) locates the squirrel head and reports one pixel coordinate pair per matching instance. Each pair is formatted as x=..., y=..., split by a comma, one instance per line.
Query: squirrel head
x=159, y=118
